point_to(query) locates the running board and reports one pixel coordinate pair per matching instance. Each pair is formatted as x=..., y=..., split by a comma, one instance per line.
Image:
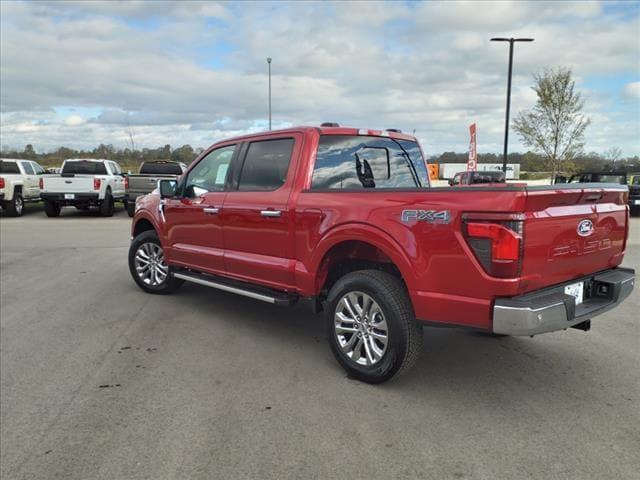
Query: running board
x=257, y=293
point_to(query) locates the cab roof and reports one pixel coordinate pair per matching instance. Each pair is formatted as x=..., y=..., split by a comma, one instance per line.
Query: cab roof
x=326, y=131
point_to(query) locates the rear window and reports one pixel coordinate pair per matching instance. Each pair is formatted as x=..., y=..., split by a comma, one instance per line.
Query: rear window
x=611, y=179
x=363, y=162
x=9, y=167
x=84, y=167
x=160, y=168
x=488, y=177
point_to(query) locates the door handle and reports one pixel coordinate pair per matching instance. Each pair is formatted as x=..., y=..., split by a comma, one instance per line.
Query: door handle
x=270, y=213
x=211, y=210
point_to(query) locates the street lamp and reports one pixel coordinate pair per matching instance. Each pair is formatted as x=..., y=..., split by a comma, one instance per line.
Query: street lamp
x=269, y=63
x=506, y=121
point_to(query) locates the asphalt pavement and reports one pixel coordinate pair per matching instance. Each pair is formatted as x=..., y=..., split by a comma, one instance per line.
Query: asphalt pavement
x=102, y=381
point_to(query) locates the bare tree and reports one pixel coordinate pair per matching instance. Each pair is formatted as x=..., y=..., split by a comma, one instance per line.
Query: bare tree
x=613, y=155
x=555, y=125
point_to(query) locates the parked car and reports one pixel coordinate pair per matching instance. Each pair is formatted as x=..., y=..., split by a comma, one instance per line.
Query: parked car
x=84, y=183
x=19, y=184
x=147, y=179
x=346, y=219
x=594, y=177
x=475, y=178
x=634, y=194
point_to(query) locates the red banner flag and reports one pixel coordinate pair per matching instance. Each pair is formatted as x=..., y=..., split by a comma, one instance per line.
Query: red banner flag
x=472, y=164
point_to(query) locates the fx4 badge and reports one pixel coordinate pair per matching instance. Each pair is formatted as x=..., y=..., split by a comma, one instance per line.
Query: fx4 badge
x=430, y=216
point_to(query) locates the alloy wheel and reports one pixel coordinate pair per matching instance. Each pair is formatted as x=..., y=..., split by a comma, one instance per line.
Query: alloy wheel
x=361, y=328
x=150, y=264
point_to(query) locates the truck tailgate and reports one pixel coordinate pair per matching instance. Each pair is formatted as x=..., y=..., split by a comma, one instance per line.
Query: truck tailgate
x=572, y=231
x=142, y=184
x=75, y=184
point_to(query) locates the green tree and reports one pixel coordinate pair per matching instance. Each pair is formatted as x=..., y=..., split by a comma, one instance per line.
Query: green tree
x=555, y=125
x=29, y=152
x=184, y=154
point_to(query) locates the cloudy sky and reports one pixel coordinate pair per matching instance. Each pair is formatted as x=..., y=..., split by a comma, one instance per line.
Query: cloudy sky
x=80, y=74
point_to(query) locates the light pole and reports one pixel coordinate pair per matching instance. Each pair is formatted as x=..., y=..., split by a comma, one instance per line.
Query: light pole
x=506, y=120
x=269, y=63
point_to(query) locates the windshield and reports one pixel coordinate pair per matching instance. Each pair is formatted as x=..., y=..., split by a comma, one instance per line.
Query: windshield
x=598, y=178
x=9, y=167
x=160, y=168
x=83, y=167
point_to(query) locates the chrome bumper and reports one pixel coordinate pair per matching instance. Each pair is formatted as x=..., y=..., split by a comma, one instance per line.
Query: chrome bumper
x=551, y=309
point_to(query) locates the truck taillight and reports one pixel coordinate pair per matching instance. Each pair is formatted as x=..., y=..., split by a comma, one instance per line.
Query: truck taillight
x=1, y=182
x=126, y=183
x=41, y=183
x=96, y=184
x=496, y=243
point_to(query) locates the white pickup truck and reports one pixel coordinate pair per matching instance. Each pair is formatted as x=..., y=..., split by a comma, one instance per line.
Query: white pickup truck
x=19, y=184
x=84, y=183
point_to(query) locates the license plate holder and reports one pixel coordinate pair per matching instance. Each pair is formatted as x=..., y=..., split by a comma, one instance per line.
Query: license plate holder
x=69, y=196
x=576, y=290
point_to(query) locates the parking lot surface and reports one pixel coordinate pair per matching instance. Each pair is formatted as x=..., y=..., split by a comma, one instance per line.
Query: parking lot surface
x=100, y=380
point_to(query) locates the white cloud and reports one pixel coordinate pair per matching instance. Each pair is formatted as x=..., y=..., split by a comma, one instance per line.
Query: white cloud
x=632, y=90
x=429, y=67
x=73, y=121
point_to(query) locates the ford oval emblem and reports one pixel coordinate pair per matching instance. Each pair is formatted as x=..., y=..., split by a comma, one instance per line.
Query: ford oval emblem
x=585, y=228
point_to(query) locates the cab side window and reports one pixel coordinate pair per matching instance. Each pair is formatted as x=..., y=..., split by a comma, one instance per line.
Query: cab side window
x=37, y=168
x=28, y=169
x=210, y=174
x=266, y=165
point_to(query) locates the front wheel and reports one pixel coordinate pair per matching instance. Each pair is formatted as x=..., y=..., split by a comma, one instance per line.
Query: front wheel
x=371, y=327
x=148, y=266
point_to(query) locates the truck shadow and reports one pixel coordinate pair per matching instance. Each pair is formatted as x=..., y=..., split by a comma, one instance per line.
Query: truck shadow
x=454, y=362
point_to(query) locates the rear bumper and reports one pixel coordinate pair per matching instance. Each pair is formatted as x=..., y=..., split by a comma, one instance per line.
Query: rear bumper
x=79, y=198
x=1, y=196
x=551, y=309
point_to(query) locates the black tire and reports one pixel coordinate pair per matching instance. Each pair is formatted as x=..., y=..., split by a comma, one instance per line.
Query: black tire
x=404, y=333
x=15, y=206
x=106, y=207
x=130, y=208
x=170, y=283
x=52, y=209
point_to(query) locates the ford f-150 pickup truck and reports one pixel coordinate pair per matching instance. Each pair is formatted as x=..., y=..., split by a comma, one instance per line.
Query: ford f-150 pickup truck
x=346, y=219
x=84, y=183
x=147, y=179
x=19, y=183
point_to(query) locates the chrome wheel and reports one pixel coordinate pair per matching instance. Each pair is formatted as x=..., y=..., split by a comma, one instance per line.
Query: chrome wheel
x=150, y=265
x=361, y=328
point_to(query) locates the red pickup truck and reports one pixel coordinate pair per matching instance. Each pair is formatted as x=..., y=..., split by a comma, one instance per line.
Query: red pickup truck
x=347, y=219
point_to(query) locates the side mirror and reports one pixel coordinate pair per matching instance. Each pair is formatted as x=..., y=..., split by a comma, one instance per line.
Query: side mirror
x=451, y=182
x=168, y=188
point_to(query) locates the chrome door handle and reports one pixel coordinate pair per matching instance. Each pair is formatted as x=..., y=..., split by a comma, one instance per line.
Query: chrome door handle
x=211, y=210
x=270, y=213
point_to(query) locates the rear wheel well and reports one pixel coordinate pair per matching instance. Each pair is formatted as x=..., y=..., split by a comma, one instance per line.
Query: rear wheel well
x=142, y=225
x=17, y=189
x=350, y=256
